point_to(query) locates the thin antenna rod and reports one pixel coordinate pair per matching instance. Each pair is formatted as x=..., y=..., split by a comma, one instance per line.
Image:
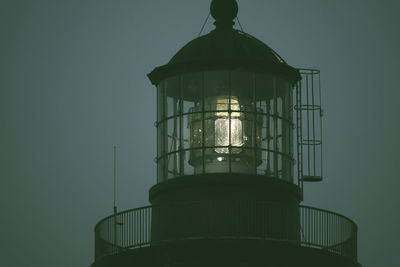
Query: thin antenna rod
x=115, y=197
x=115, y=177
x=204, y=24
x=237, y=18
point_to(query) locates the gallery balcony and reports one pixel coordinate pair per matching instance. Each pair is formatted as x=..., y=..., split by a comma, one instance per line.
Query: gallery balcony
x=309, y=228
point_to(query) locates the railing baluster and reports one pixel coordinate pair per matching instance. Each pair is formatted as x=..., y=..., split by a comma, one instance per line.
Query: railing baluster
x=316, y=228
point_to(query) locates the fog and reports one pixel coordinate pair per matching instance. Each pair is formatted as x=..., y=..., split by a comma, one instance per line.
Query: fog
x=73, y=84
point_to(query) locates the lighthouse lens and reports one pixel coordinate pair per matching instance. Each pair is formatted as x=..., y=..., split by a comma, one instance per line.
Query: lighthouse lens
x=225, y=122
x=228, y=126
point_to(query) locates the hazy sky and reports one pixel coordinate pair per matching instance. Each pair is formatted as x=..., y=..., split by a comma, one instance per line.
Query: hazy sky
x=73, y=83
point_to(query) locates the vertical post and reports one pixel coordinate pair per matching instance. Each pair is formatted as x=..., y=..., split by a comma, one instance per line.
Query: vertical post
x=174, y=145
x=268, y=135
x=300, y=137
x=115, y=177
x=203, y=127
x=254, y=137
x=115, y=196
x=230, y=121
x=320, y=121
x=285, y=158
x=313, y=124
x=181, y=120
x=298, y=127
x=165, y=135
x=291, y=133
x=308, y=127
x=275, y=129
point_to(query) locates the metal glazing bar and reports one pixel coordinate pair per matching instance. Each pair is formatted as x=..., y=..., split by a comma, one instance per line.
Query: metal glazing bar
x=301, y=134
x=165, y=133
x=291, y=132
x=158, y=132
x=320, y=121
x=283, y=129
x=174, y=143
x=254, y=137
x=230, y=121
x=181, y=156
x=226, y=110
x=203, y=141
x=308, y=128
x=275, y=129
x=267, y=133
x=313, y=124
x=298, y=124
x=288, y=156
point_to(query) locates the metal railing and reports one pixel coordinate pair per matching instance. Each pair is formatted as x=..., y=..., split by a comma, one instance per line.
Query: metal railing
x=309, y=114
x=305, y=226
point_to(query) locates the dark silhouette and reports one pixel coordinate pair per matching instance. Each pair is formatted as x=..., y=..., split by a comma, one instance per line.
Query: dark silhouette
x=230, y=177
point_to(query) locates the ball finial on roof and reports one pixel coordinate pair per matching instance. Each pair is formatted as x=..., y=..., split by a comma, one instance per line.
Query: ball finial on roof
x=224, y=11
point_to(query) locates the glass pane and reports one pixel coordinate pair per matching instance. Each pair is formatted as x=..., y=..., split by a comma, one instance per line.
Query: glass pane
x=209, y=129
x=282, y=86
x=287, y=104
x=216, y=85
x=223, y=131
x=270, y=156
x=192, y=130
x=271, y=133
x=249, y=125
x=242, y=84
x=172, y=87
x=265, y=132
x=279, y=166
x=271, y=107
x=160, y=101
x=193, y=162
x=262, y=162
x=173, y=165
x=216, y=163
x=286, y=137
x=222, y=135
x=236, y=135
x=172, y=106
x=192, y=87
x=160, y=170
x=228, y=128
x=287, y=166
x=279, y=106
x=186, y=131
x=161, y=133
x=173, y=134
x=264, y=86
x=279, y=135
x=243, y=162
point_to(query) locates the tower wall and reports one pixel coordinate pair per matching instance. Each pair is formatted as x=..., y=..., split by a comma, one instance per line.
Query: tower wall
x=225, y=206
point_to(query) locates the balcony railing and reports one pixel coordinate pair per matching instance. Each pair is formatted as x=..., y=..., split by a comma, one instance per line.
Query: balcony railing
x=305, y=226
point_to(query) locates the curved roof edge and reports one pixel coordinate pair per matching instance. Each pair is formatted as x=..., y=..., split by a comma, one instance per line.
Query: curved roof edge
x=225, y=49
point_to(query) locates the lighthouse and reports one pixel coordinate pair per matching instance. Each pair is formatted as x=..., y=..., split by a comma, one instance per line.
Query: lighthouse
x=239, y=133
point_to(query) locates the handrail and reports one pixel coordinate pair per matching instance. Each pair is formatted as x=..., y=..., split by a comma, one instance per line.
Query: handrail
x=305, y=226
x=121, y=212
